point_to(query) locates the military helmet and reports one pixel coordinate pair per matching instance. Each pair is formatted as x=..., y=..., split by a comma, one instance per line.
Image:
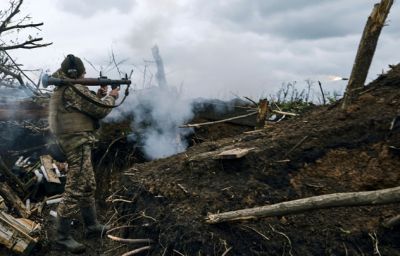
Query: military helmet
x=72, y=66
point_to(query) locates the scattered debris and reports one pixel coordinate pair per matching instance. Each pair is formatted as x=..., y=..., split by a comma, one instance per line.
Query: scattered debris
x=19, y=235
x=234, y=153
x=19, y=197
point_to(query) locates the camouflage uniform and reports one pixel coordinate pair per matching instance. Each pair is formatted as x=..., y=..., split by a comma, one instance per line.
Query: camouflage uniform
x=73, y=119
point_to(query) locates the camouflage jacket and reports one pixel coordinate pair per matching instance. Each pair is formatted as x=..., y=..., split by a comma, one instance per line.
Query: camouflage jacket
x=74, y=114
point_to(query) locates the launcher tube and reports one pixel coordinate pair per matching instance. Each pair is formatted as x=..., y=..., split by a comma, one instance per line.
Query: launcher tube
x=49, y=80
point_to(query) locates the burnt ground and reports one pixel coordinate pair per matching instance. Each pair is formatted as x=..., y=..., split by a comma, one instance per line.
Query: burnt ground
x=167, y=200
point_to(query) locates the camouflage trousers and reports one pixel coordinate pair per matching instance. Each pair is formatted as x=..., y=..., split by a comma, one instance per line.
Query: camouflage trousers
x=80, y=185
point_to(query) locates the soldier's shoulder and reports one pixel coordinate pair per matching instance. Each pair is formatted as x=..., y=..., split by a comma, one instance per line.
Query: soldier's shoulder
x=59, y=74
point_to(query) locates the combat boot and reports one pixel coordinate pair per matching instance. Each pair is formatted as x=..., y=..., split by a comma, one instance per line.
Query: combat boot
x=64, y=239
x=92, y=227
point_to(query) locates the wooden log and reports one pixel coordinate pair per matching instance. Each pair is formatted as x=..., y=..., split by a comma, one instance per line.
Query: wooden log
x=384, y=196
x=15, y=233
x=366, y=49
x=13, y=200
x=262, y=113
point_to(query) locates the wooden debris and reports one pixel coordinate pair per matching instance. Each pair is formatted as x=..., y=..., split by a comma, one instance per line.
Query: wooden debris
x=216, y=122
x=227, y=251
x=234, y=153
x=14, y=180
x=136, y=251
x=13, y=200
x=298, y=144
x=48, y=169
x=392, y=222
x=183, y=188
x=129, y=240
x=3, y=206
x=283, y=161
x=284, y=113
x=262, y=113
x=54, y=201
x=377, y=197
x=15, y=234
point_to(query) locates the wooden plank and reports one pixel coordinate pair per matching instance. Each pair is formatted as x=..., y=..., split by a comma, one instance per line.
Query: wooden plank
x=14, y=233
x=234, y=153
x=47, y=163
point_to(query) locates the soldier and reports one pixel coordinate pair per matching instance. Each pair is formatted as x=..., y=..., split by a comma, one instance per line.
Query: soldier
x=73, y=117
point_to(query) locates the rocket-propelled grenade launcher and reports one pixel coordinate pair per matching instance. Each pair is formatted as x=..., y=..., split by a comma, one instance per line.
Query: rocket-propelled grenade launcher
x=49, y=80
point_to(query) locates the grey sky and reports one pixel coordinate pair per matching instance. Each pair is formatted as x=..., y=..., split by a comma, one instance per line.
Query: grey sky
x=214, y=47
x=90, y=8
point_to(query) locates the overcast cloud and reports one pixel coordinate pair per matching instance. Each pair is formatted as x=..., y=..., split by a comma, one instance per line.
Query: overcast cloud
x=214, y=48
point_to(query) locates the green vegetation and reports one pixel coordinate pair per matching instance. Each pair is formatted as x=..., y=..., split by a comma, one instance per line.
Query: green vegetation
x=290, y=98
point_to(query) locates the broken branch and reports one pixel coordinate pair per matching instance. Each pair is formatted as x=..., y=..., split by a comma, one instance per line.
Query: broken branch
x=295, y=146
x=284, y=113
x=392, y=222
x=216, y=122
x=129, y=240
x=141, y=249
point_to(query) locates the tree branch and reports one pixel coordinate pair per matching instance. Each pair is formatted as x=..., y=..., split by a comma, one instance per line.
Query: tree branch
x=12, y=14
x=34, y=25
x=29, y=44
x=12, y=74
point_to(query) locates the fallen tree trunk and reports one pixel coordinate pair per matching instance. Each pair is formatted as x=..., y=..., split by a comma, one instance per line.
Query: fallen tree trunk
x=384, y=196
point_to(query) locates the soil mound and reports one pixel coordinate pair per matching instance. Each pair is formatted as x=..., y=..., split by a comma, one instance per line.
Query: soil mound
x=340, y=151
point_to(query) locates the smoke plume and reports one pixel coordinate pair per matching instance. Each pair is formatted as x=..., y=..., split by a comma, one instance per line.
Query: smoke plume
x=157, y=114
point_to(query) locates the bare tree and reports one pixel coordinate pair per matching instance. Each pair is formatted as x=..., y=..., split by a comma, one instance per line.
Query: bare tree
x=11, y=25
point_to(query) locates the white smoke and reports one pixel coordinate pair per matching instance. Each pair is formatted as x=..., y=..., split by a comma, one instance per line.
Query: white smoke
x=157, y=114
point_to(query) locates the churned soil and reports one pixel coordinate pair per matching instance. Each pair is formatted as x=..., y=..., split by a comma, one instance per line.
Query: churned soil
x=351, y=150
x=325, y=150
